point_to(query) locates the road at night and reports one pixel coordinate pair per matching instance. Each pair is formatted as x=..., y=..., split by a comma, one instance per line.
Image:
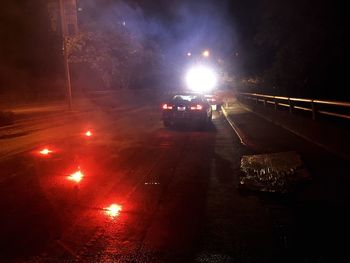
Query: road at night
x=177, y=190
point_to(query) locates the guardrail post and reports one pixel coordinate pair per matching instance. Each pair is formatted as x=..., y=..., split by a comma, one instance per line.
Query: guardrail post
x=313, y=107
x=290, y=106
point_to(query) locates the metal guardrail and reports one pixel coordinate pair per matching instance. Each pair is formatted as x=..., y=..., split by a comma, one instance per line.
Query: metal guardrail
x=312, y=105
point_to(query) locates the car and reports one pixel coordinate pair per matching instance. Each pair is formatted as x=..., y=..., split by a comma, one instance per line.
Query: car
x=186, y=108
x=214, y=101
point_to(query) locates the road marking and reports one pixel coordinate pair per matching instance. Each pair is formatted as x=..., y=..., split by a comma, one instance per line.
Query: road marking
x=238, y=132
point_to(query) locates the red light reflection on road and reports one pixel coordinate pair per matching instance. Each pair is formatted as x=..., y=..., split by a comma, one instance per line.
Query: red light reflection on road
x=76, y=177
x=113, y=210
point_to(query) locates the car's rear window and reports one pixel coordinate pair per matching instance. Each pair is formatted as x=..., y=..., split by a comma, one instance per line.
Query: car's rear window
x=186, y=98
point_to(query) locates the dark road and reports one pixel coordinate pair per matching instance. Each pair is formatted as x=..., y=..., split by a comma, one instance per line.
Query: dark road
x=177, y=190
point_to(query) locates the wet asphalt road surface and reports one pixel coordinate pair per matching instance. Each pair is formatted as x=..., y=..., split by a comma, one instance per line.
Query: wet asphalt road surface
x=178, y=193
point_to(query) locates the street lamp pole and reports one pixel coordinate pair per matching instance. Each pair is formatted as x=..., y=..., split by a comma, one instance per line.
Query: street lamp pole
x=65, y=55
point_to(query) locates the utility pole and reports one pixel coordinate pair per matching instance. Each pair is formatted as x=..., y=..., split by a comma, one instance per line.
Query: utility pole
x=65, y=54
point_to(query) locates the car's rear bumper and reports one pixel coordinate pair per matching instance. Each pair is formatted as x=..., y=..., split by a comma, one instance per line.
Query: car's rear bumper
x=174, y=116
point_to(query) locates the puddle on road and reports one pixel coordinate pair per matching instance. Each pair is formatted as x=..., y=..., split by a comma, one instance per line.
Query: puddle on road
x=276, y=172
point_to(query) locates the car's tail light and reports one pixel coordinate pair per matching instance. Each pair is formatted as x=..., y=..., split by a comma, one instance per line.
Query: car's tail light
x=197, y=107
x=167, y=107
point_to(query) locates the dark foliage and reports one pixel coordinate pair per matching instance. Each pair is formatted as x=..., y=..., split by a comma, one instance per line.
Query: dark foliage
x=307, y=39
x=29, y=50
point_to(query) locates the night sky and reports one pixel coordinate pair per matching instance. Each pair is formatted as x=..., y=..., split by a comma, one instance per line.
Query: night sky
x=283, y=42
x=190, y=24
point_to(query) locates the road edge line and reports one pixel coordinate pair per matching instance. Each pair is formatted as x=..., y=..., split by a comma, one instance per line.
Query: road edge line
x=235, y=128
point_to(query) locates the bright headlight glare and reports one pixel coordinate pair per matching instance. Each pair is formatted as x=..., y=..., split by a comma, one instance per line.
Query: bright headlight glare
x=201, y=79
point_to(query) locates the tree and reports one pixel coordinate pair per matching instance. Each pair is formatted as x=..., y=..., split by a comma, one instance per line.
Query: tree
x=307, y=39
x=114, y=54
x=29, y=50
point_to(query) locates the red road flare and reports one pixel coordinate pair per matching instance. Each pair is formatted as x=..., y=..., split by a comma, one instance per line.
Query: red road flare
x=76, y=177
x=113, y=210
x=45, y=151
x=88, y=133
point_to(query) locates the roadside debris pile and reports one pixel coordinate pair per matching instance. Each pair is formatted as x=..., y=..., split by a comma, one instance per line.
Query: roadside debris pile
x=276, y=172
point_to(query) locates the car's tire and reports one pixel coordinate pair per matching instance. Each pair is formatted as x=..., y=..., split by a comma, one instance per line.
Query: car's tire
x=205, y=123
x=166, y=123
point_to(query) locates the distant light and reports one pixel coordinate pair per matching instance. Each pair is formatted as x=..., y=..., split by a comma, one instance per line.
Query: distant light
x=189, y=54
x=206, y=53
x=45, y=151
x=124, y=23
x=201, y=79
x=76, y=177
x=113, y=210
x=80, y=9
